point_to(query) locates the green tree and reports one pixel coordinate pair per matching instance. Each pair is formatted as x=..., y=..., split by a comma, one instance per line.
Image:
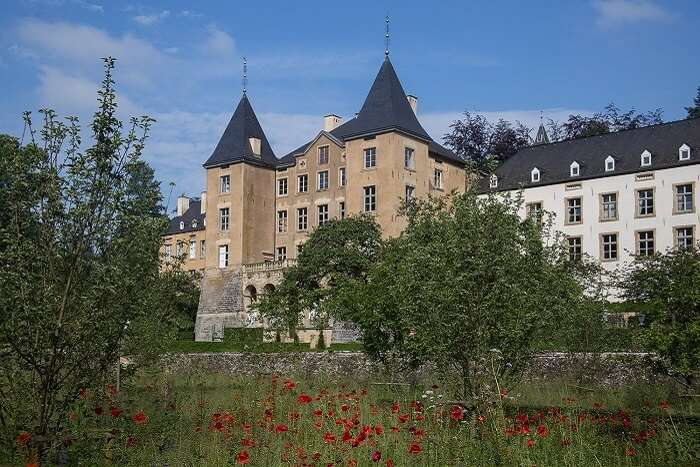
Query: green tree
x=79, y=264
x=694, y=110
x=610, y=120
x=670, y=284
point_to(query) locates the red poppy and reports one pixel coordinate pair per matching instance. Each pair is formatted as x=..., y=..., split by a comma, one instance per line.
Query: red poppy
x=530, y=443
x=130, y=442
x=115, y=411
x=346, y=436
x=664, y=405
x=630, y=452
x=328, y=438
x=542, y=431
x=456, y=413
x=389, y=462
x=378, y=429
x=395, y=407
x=242, y=458
x=414, y=448
x=376, y=456
x=248, y=442
x=98, y=410
x=139, y=418
x=289, y=385
x=344, y=408
x=23, y=438
x=304, y=399
x=247, y=428
x=394, y=429
x=318, y=413
x=281, y=428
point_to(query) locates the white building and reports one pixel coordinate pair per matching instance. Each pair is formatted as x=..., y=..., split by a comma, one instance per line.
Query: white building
x=614, y=196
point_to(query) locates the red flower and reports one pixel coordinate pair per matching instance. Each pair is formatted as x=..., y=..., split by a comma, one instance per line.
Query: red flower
x=289, y=385
x=395, y=407
x=247, y=428
x=664, y=405
x=542, y=431
x=414, y=448
x=281, y=428
x=242, y=458
x=293, y=416
x=318, y=413
x=394, y=429
x=248, y=442
x=346, y=436
x=139, y=418
x=328, y=438
x=23, y=438
x=403, y=418
x=530, y=443
x=456, y=413
x=115, y=411
x=130, y=442
x=98, y=410
x=303, y=398
x=344, y=408
x=378, y=429
x=376, y=456
x=316, y=455
x=630, y=452
x=389, y=462
x=111, y=390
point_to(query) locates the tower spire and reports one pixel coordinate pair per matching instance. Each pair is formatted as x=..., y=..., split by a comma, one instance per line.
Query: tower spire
x=386, y=38
x=542, y=136
x=245, y=75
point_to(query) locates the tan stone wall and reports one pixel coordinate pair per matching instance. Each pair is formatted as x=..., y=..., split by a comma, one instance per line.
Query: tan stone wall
x=190, y=264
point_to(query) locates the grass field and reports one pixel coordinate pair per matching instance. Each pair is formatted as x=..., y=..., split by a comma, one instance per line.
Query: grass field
x=214, y=420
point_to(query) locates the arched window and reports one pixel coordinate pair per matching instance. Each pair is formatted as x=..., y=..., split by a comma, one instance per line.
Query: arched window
x=646, y=159
x=182, y=225
x=535, y=175
x=684, y=153
x=574, y=169
x=609, y=164
x=493, y=181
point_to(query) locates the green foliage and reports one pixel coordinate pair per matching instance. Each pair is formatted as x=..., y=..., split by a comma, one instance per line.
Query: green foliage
x=79, y=264
x=670, y=284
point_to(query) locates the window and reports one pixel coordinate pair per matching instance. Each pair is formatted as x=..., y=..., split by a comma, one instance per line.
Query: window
x=223, y=256
x=223, y=218
x=574, y=169
x=194, y=224
x=300, y=246
x=282, y=187
x=684, y=198
x=535, y=175
x=534, y=211
x=322, y=214
x=684, y=153
x=684, y=237
x=608, y=207
x=609, y=164
x=609, y=247
x=168, y=251
x=303, y=183
x=646, y=159
x=225, y=183
x=341, y=209
x=645, y=202
x=437, y=179
x=182, y=225
x=323, y=155
x=408, y=161
x=493, y=181
x=370, y=198
x=575, y=248
x=202, y=249
x=282, y=221
x=281, y=253
x=370, y=159
x=409, y=192
x=342, y=180
x=180, y=249
x=193, y=249
x=574, y=214
x=645, y=243
x=323, y=180
x=302, y=218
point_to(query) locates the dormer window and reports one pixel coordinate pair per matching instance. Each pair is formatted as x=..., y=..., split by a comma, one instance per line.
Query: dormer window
x=609, y=164
x=684, y=153
x=493, y=181
x=574, y=169
x=535, y=175
x=182, y=225
x=646, y=159
x=194, y=224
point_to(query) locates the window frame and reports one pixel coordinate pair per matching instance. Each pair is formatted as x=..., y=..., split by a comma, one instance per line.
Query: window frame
x=280, y=183
x=535, y=175
x=342, y=177
x=326, y=153
x=601, y=240
x=645, y=155
x=192, y=249
x=408, y=192
x=369, y=155
x=341, y=209
x=493, y=181
x=609, y=160
x=318, y=180
x=411, y=165
x=637, y=202
x=304, y=177
x=577, y=166
x=693, y=237
x=529, y=210
x=282, y=221
x=227, y=178
x=438, y=179
x=580, y=246
x=684, y=148
x=567, y=220
x=638, y=242
x=305, y=218
x=281, y=253
x=601, y=206
x=677, y=211
x=227, y=252
x=202, y=249
x=225, y=219
x=326, y=217
x=369, y=198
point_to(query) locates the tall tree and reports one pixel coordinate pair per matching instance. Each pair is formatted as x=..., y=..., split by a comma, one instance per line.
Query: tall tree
x=694, y=110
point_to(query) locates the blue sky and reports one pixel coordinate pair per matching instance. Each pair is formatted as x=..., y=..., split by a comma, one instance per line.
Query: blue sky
x=180, y=62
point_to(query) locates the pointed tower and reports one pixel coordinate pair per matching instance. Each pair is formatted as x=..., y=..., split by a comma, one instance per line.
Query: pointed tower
x=542, y=137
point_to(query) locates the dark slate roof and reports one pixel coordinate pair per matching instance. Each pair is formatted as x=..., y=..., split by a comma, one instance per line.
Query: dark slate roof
x=386, y=108
x=626, y=147
x=193, y=213
x=234, y=145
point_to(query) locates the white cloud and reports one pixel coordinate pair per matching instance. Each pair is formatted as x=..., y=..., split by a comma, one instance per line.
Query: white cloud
x=95, y=8
x=148, y=20
x=616, y=12
x=218, y=43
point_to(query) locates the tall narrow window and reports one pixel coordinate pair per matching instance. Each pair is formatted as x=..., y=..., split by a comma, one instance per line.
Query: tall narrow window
x=202, y=249
x=193, y=249
x=493, y=181
x=684, y=198
x=608, y=207
x=341, y=209
x=223, y=256
x=342, y=180
x=180, y=249
x=645, y=243
x=282, y=187
x=645, y=202
x=281, y=253
x=223, y=218
x=534, y=211
x=225, y=183
x=323, y=180
x=575, y=248
x=409, y=192
x=303, y=183
x=302, y=219
x=684, y=237
x=168, y=251
x=609, y=247
x=408, y=161
x=322, y=214
x=370, y=158
x=437, y=179
x=323, y=155
x=574, y=211
x=370, y=198
x=282, y=221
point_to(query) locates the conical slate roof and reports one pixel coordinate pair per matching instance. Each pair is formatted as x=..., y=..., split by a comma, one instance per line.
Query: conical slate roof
x=234, y=145
x=542, y=137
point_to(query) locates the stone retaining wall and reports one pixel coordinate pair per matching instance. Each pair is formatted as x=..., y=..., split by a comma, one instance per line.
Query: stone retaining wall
x=611, y=369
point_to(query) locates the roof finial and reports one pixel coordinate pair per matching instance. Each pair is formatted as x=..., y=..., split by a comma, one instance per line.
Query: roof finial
x=541, y=116
x=386, y=38
x=245, y=74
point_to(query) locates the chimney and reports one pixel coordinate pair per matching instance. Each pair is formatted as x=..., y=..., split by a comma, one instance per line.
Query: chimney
x=331, y=122
x=203, y=203
x=413, y=101
x=183, y=204
x=255, y=145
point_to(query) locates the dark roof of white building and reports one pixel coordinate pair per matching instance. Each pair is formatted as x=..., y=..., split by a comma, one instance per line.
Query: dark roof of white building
x=554, y=160
x=193, y=214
